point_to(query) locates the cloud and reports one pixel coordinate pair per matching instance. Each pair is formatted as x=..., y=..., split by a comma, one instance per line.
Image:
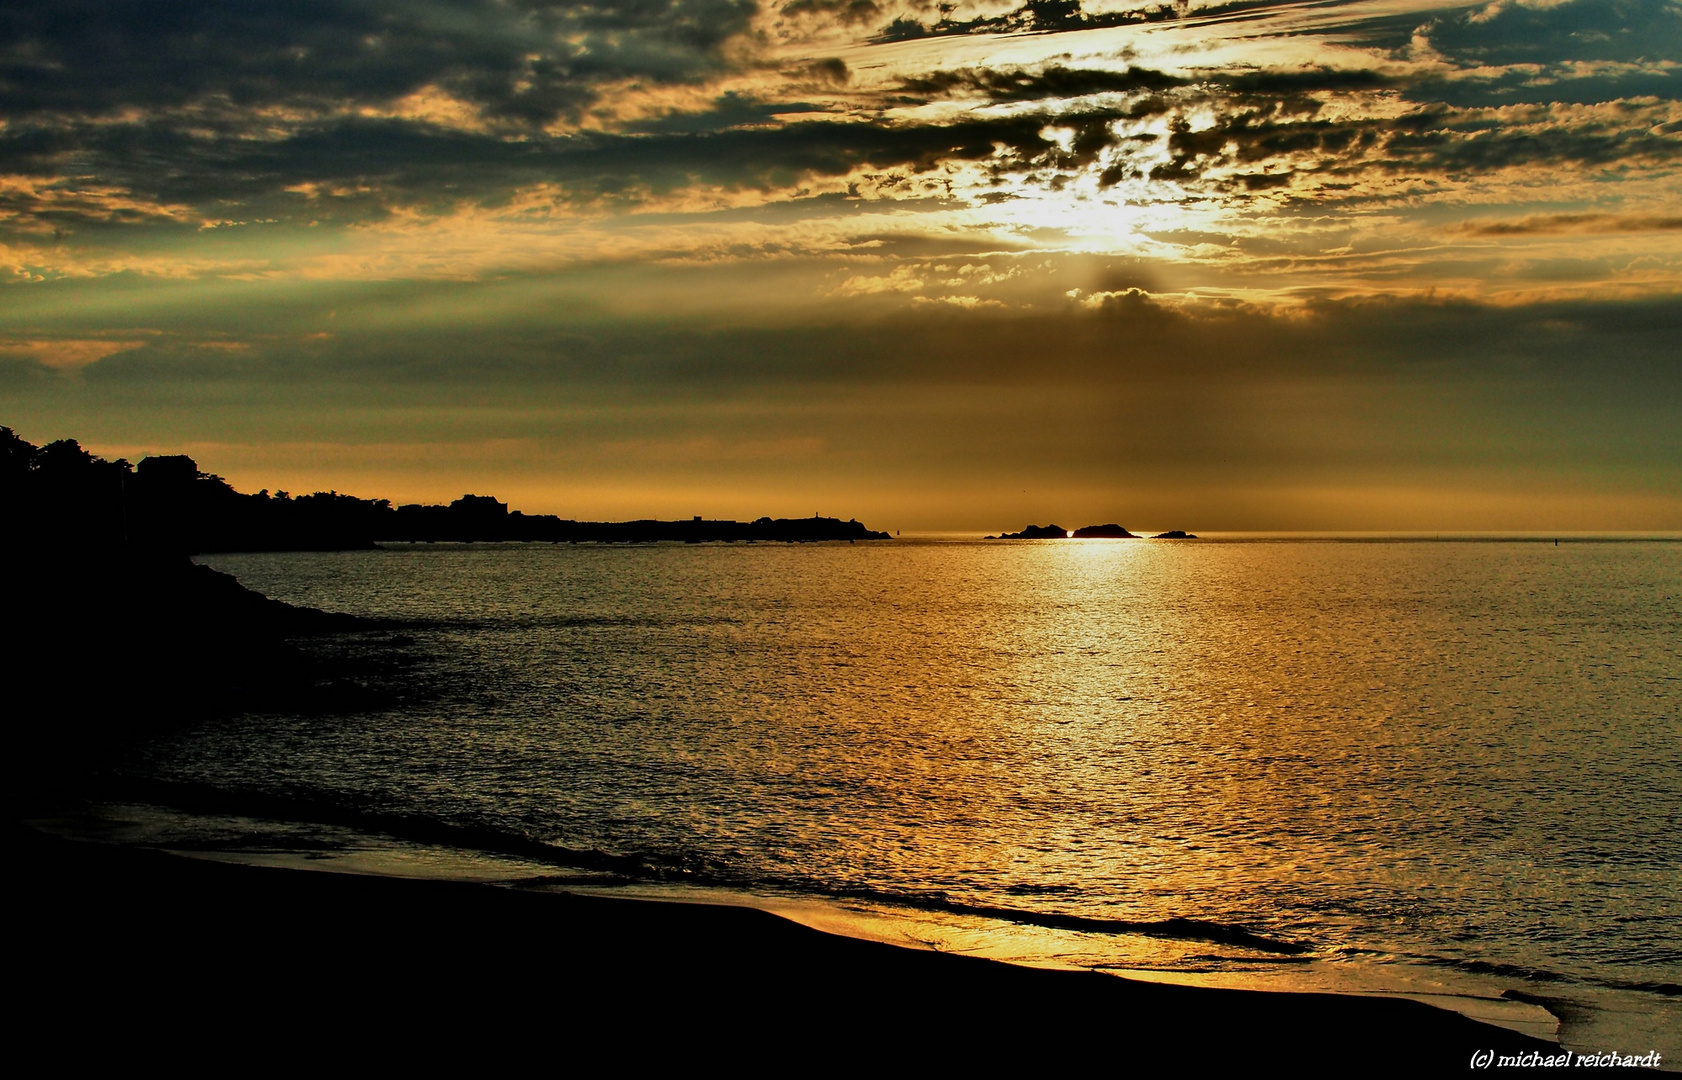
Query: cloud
x=1131, y=303
x=1549, y=224
x=681, y=142
x=1513, y=32
x=944, y=402
x=1055, y=83
x=520, y=62
x=357, y=169
x=1034, y=17
x=902, y=279
x=847, y=12
x=65, y=354
x=1325, y=246
x=1576, y=51
x=1252, y=144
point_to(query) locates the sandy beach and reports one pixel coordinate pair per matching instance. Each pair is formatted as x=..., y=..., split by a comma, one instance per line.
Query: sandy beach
x=140, y=955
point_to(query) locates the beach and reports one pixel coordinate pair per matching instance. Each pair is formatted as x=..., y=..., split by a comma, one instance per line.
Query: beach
x=671, y=770
x=145, y=955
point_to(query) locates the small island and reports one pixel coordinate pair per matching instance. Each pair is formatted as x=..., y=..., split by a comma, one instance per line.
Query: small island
x=1111, y=531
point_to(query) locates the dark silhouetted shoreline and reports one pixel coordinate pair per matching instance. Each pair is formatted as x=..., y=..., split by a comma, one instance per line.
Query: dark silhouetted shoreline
x=119, y=632
x=116, y=632
x=166, y=504
x=214, y=958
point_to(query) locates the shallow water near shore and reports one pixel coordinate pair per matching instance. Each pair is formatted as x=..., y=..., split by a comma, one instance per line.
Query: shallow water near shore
x=1448, y=769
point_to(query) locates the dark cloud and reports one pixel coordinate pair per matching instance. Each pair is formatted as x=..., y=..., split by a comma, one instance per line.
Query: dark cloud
x=766, y=158
x=376, y=164
x=364, y=167
x=1482, y=145
x=845, y=11
x=1580, y=51
x=1260, y=132
x=1376, y=392
x=1431, y=141
x=1269, y=116
x=521, y=62
x=165, y=106
x=1050, y=16
x=831, y=70
x=1544, y=224
x=1310, y=80
x=729, y=110
x=519, y=341
x=1508, y=32
x=1053, y=82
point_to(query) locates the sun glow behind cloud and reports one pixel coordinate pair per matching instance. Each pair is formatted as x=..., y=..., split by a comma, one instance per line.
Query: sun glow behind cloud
x=367, y=186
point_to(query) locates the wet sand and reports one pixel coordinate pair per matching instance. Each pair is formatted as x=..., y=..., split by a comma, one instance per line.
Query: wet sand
x=126, y=955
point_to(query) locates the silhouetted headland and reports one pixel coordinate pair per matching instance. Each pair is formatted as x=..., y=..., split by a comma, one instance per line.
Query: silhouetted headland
x=165, y=503
x=115, y=631
x=473, y=518
x=121, y=631
x=1175, y=534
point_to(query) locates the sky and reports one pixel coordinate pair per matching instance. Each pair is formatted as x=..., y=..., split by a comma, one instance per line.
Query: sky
x=1336, y=265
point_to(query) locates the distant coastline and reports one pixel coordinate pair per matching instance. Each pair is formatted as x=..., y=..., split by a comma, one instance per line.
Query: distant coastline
x=166, y=504
x=475, y=518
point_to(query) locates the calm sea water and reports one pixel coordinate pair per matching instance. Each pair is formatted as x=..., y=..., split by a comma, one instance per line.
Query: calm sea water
x=1444, y=767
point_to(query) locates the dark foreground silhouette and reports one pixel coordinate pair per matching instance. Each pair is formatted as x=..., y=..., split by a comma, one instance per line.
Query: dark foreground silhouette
x=114, y=631
x=140, y=955
x=166, y=504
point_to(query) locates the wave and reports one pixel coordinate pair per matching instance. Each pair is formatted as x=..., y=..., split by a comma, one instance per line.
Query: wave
x=688, y=868
x=551, y=622
x=643, y=866
x=205, y=799
x=1543, y=976
x=1179, y=929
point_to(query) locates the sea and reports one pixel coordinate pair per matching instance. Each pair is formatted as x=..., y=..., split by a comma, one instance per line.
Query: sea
x=1443, y=768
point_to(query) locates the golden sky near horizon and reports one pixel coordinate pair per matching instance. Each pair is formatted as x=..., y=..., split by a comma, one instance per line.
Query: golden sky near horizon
x=1364, y=264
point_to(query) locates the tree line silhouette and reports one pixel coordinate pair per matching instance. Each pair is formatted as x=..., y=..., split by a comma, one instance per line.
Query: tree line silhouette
x=113, y=632
x=166, y=504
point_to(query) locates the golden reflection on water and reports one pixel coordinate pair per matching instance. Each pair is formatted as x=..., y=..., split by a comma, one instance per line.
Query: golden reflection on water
x=1467, y=752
